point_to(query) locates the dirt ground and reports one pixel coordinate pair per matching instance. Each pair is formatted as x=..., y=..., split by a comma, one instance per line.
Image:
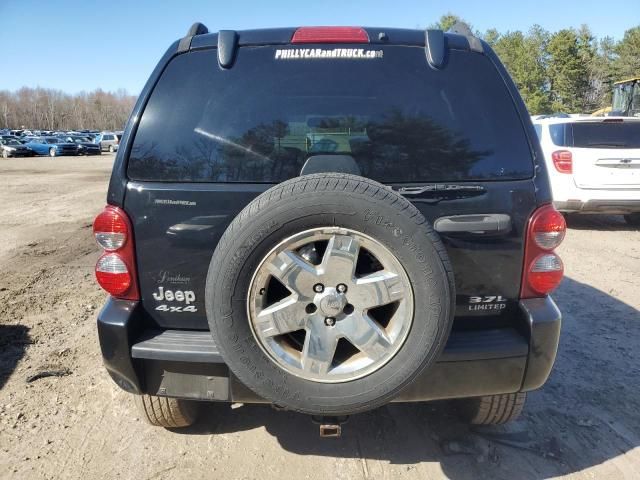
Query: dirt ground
x=585, y=423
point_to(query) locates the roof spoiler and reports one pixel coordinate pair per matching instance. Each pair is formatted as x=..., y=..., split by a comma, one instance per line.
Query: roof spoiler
x=434, y=43
x=227, y=47
x=435, y=46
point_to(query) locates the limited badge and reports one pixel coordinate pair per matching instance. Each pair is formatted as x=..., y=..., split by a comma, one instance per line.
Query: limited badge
x=487, y=302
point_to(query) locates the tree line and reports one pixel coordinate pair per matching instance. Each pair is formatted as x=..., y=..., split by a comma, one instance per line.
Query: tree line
x=565, y=71
x=49, y=109
x=569, y=70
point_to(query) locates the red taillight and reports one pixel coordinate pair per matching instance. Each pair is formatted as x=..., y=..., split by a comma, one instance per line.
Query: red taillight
x=110, y=228
x=112, y=274
x=543, y=269
x=545, y=273
x=563, y=161
x=330, y=35
x=115, y=270
x=548, y=228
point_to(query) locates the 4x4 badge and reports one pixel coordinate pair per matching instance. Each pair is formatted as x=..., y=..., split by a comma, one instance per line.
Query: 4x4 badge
x=182, y=297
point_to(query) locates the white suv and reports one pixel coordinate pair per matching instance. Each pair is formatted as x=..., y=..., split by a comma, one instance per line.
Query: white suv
x=593, y=163
x=108, y=141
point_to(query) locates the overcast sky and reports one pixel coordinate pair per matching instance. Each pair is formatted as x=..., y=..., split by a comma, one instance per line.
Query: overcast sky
x=76, y=45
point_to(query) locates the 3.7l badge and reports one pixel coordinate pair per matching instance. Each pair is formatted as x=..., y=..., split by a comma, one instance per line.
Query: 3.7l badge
x=487, y=302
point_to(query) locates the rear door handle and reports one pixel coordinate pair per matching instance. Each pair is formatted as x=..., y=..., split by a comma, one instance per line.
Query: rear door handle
x=489, y=223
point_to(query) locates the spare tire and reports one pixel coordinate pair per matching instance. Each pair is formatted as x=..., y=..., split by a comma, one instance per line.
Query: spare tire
x=329, y=293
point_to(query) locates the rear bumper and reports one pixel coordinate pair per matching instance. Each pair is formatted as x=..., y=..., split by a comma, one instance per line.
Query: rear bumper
x=187, y=364
x=607, y=206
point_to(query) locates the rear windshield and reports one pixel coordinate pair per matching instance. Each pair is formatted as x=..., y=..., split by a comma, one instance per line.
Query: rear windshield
x=612, y=134
x=606, y=135
x=261, y=120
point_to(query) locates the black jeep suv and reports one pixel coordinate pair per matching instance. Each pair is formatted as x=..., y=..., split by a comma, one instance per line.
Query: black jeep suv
x=328, y=219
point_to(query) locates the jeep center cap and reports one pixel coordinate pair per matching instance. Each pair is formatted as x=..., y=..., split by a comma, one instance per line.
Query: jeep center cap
x=331, y=302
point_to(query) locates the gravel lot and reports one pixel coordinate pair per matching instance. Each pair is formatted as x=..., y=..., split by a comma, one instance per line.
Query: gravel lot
x=585, y=423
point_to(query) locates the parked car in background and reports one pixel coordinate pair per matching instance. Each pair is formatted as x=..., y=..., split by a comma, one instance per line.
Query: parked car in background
x=593, y=164
x=107, y=141
x=13, y=148
x=52, y=146
x=85, y=145
x=12, y=137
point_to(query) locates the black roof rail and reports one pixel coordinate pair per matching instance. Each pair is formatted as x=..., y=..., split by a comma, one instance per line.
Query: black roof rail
x=196, y=29
x=463, y=29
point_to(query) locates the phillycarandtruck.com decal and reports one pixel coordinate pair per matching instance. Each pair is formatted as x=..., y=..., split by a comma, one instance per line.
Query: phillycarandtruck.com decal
x=311, y=53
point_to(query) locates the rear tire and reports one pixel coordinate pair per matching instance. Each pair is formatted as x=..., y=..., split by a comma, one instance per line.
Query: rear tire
x=167, y=412
x=633, y=219
x=5, y=154
x=493, y=409
x=111, y=149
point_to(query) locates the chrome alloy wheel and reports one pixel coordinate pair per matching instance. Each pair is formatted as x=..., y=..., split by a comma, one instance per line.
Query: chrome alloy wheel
x=330, y=304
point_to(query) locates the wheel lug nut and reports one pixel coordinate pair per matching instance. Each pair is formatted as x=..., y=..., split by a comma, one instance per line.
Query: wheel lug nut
x=318, y=288
x=329, y=321
x=341, y=287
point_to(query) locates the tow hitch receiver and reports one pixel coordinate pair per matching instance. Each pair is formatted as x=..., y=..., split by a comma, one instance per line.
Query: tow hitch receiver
x=330, y=427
